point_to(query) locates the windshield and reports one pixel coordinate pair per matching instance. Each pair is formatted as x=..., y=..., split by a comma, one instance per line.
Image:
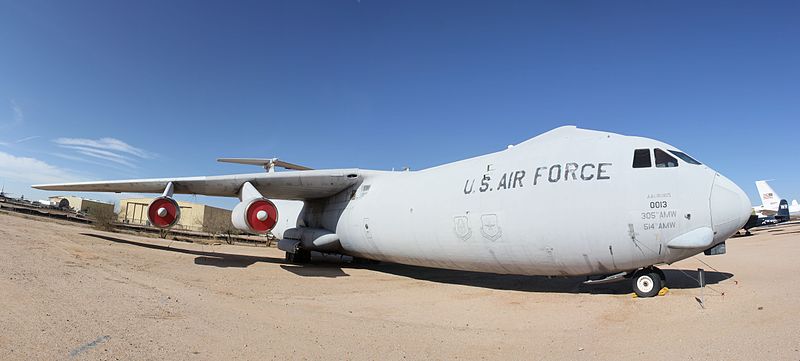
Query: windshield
x=685, y=157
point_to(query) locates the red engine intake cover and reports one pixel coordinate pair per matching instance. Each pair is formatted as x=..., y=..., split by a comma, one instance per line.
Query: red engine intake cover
x=170, y=214
x=270, y=211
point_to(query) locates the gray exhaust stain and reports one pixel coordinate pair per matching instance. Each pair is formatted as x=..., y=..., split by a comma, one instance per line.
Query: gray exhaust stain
x=89, y=346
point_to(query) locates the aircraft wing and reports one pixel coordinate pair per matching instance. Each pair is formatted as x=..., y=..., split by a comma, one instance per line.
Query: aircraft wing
x=766, y=212
x=297, y=185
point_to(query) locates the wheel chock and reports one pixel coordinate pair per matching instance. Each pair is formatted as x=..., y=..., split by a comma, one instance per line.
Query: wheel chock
x=661, y=292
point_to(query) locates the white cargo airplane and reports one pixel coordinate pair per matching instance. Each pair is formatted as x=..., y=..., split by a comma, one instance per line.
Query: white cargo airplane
x=567, y=202
x=770, y=201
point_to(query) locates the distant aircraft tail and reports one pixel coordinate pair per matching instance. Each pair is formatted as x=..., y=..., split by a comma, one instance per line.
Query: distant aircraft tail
x=783, y=211
x=769, y=199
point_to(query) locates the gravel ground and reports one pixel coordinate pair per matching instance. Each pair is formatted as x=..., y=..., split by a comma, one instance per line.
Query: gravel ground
x=71, y=292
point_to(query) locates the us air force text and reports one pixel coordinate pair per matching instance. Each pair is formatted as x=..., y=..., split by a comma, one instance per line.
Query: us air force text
x=551, y=174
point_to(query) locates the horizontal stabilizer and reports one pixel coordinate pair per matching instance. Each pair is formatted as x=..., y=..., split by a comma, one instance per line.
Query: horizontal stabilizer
x=268, y=163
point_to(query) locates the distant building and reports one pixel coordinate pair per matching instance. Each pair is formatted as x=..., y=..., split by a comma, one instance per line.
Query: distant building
x=82, y=204
x=194, y=217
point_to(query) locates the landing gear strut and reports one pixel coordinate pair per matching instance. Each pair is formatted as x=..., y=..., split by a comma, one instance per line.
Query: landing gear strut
x=648, y=281
x=300, y=256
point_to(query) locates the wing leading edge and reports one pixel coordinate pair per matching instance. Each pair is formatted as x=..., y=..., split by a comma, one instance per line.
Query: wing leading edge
x=279, y=185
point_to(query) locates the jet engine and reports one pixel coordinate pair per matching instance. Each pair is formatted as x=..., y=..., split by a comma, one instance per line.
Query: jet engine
x=255, y=213
x=163, y=212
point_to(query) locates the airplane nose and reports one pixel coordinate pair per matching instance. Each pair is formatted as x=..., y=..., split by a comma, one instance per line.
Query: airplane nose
x=730, y=208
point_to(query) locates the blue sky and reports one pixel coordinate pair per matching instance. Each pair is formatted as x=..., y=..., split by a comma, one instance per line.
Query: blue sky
x=113, y=90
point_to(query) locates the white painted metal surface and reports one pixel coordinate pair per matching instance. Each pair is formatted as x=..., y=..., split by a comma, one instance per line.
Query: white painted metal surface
x=770, y=199
x=567, y=202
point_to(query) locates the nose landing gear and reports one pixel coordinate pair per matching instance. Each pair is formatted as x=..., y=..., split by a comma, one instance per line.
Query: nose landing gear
x=647, y=281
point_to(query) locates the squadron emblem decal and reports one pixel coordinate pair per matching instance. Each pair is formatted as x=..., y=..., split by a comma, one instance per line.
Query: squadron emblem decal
x=461, y=227
x=490, y=228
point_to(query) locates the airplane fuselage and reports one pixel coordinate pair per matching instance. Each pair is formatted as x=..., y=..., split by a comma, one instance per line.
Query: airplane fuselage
x=566, y=203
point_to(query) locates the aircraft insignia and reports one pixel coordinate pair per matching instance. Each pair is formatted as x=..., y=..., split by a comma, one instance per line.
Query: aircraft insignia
x=461, y=227
x=490, y=228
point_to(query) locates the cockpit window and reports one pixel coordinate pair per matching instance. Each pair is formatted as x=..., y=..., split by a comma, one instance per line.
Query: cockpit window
x=664, y=160
x=685, y=157
x=641, y=158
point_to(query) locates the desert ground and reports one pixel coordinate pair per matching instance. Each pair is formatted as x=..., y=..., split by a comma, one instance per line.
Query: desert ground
x=72, y=292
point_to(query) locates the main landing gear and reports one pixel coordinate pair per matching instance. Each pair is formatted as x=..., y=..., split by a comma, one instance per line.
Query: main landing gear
x=648, y=281
x=300, y=256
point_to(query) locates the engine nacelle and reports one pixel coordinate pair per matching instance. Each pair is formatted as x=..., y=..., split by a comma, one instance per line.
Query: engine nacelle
x=163, y=212
x=255, y=215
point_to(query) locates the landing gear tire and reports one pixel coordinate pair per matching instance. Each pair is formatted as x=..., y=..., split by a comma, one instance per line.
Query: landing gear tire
x=299, y=257
x=647, y=282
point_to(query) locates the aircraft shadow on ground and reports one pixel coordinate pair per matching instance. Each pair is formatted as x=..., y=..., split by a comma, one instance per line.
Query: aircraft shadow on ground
x=205, y=258
x=331, y=268
x=676, y=279
x=325, y=270
x=320, y=268
x=786, y=232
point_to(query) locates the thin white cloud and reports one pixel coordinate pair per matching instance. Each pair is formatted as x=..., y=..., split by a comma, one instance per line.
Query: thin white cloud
x=32, y=170
x=109, y=144
x=106, y=149
x=91, y=161
x=19, y=117
x=104, y=155
x=28, y=138
x=23, y=140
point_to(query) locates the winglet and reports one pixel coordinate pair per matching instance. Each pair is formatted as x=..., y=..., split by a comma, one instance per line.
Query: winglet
x=269, y=164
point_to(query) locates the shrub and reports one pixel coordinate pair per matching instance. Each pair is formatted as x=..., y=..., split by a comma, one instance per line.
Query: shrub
x=102, y=218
